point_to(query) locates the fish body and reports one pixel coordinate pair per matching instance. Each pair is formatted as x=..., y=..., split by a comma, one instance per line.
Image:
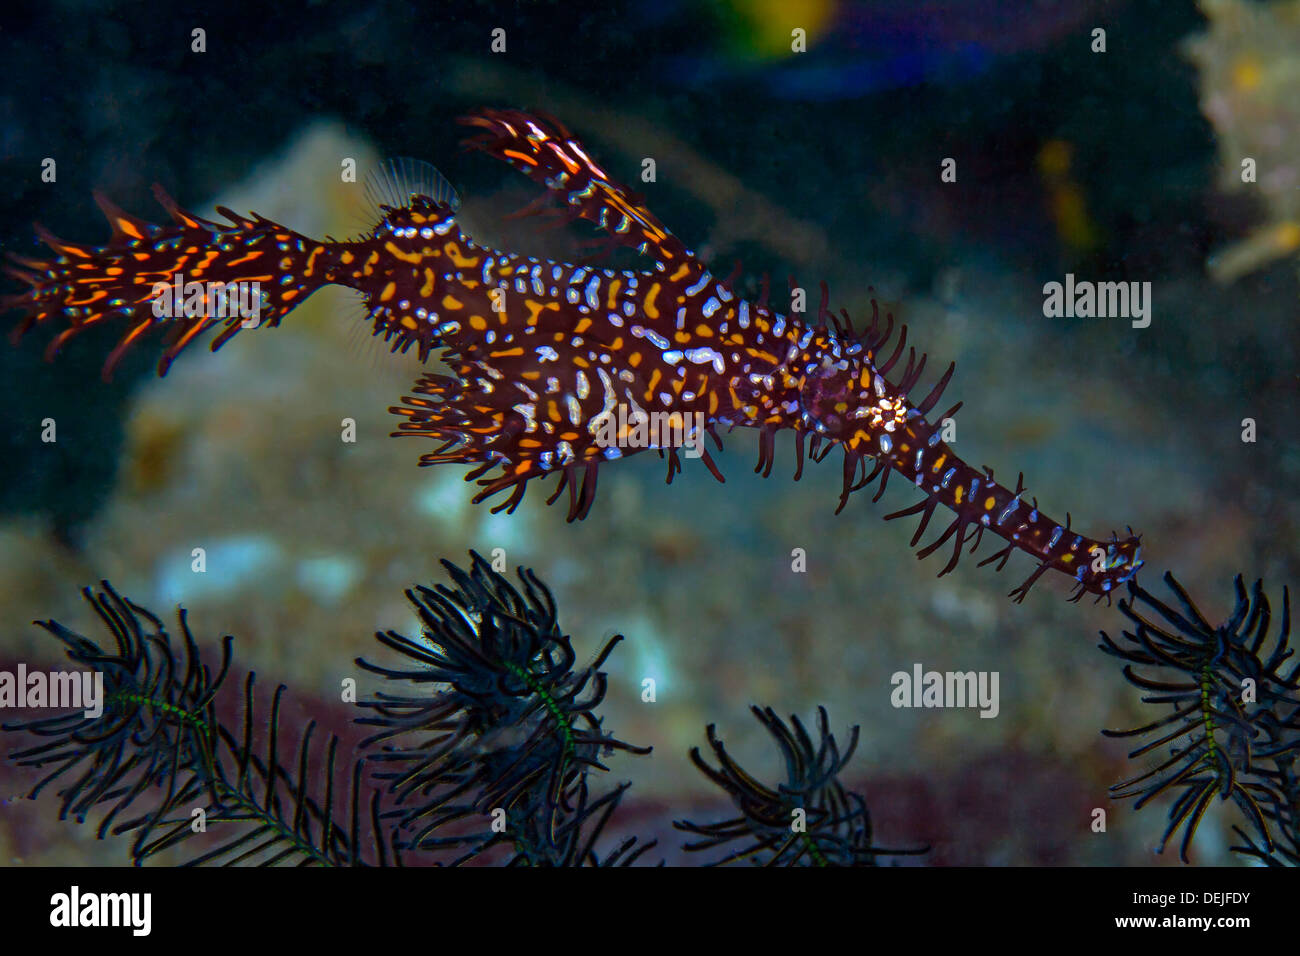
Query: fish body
x=558, y=368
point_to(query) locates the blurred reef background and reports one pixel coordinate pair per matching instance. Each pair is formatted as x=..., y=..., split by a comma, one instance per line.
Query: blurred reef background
x=1122, y=165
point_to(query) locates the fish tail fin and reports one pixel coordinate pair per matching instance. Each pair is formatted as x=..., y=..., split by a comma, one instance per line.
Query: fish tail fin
x=184, y=278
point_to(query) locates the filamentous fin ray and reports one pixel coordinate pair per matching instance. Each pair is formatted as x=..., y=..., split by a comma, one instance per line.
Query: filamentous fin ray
x=393, y=183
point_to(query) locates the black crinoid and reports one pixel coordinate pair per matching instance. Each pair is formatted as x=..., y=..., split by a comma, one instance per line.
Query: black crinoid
x=495, y=750
x=807, y=820
x=157, y=720
x=1233, y=730
x=499, y=754
x=166, y=770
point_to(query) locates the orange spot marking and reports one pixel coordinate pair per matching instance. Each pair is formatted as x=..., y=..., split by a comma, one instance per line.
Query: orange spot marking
x=311, y=260
x=535, y=309
x=456, y=256
x=451, y=303
x=388, y=293
x=649, y=304
x=411, y=257
x=522, y=157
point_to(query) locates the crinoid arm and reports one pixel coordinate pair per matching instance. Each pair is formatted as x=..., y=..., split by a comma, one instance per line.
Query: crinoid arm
x=1228, y=719
x=838, y=826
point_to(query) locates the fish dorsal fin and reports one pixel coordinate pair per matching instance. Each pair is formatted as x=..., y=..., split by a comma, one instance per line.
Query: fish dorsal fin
x=546, y=152
x=395, y=182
